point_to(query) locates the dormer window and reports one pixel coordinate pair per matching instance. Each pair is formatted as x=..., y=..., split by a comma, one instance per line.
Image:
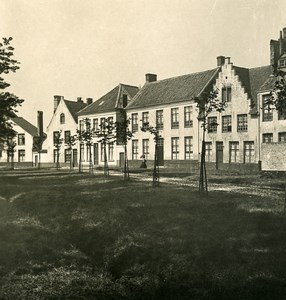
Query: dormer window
x=226, y=94
x=282, y=63
x=62, y=118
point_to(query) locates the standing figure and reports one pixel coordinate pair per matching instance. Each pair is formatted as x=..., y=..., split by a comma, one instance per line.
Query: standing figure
x=143, y=164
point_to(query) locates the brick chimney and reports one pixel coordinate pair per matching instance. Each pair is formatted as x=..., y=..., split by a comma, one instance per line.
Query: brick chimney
x=40, y=123
x=151, y=77
x=88, y=101
x=79, y=99
x=57, y=100
x=220, y=60
x=274, y=52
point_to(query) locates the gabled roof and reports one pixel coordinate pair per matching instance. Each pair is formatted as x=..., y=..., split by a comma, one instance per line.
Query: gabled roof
x=27, y=126
x=109, y=101
x=173, y=90
x=252, y=80
x=74, y=107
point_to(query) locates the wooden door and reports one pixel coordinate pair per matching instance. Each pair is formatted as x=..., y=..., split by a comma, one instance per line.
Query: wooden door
x=219, y=154
x=95, y=154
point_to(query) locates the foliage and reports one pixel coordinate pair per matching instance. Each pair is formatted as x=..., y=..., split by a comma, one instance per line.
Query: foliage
x=8, y=101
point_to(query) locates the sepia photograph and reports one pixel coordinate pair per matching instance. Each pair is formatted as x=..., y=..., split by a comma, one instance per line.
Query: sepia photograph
x=143, y=149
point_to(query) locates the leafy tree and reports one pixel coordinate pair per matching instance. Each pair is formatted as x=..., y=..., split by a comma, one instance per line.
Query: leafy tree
x=58, y=140
x=207, y=103
x=123, y=135
x=156, y=136
x=8, y=101
x=106, y=135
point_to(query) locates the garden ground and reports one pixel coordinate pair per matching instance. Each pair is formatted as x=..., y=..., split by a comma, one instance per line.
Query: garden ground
x=65, y=235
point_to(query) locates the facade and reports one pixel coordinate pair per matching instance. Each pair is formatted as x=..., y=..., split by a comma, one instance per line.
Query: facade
x=63, y=124
x=25, y=138
x=108, y=107
x=169, y=106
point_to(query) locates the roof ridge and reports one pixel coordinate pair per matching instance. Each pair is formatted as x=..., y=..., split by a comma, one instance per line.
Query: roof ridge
x=129, y=85
x=180, y=76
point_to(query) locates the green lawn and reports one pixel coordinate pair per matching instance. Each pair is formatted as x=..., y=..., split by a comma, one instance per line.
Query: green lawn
x=74, y=236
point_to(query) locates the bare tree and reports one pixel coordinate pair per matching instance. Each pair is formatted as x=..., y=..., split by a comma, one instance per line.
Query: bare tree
x=207, y=103
x=156, y=136
x=58, y=140
x=70, y=142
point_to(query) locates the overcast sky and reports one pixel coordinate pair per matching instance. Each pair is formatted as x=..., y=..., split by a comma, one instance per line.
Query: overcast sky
x=87, y=47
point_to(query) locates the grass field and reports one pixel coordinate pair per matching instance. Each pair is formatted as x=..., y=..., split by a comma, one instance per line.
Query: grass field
x=74, y=236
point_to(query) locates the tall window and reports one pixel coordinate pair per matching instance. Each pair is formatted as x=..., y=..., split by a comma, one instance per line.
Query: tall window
x=175, y=147
x=282, y=114
x=102, y=152
x=208, y=146
x=226, y=123
x=188, y=147
x=62, y=118
x=67, y=136
x=233, y=152
x=226, y=94
x=88, y=124
x=267, y=112
x=282, y=137
x=102, y=121
x=82, y=152
x=110, y=119
x=242, y=122
x=95, y=124
x=135, y=149
x=88, y=147
x=175, y=117
x=159, y=119
x=145, y=147
x=110, y=151
x=134, y=122
x=21, y=155
x=267, y=137
x=188, y=122
x=56, y=135
x=249, y=152
x=145, y=118
x=212, y=124
x=21, y=139
x=81, y=125
x=55, y=155
x=67, y=155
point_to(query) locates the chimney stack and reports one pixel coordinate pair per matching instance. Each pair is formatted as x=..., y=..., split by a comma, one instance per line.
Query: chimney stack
x=57, y=100
x=88, y=101
x=151, y=77
x=220, y=60
x=79, y=99
x=40, y=123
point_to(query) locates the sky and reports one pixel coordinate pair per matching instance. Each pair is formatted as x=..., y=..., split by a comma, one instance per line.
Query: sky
x=84, y=48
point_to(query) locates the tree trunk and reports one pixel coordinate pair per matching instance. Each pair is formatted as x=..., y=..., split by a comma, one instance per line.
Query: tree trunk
x=156, y=177
x=203, y=184
x=106, y=171
x=126, y=167
x=90, y=161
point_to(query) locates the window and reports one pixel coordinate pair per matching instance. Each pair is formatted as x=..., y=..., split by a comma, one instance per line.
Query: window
x=110, y=151
x=102, y=121
x=81, y=152
x=248, y=152
x=102, y=152
x=175, y=148
x=95, y=124
x=134, y=122
x=81, y=125
x=188, y=122
x=135, y=149
x=282, y=137
x=124, y=100
x=145, y=147
x=226, y=123
x=56, y=136
x=67, y=136
x=212, y=124
x=110, y=120
x=88, y=153
x=174, y=118
x=159, y=119
x=67, y=155
x=233, y=152
x=87, y=124
x=282, y=114
x=226, y=94
x=267, y=112
x=21, y=139
x=145, y=118
x=242, y=122
x=188, y=147
x=21, y=155
x=267, y=137
x=208, y=148
x=282, y=63
x=55, y=155
x=62, y=118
